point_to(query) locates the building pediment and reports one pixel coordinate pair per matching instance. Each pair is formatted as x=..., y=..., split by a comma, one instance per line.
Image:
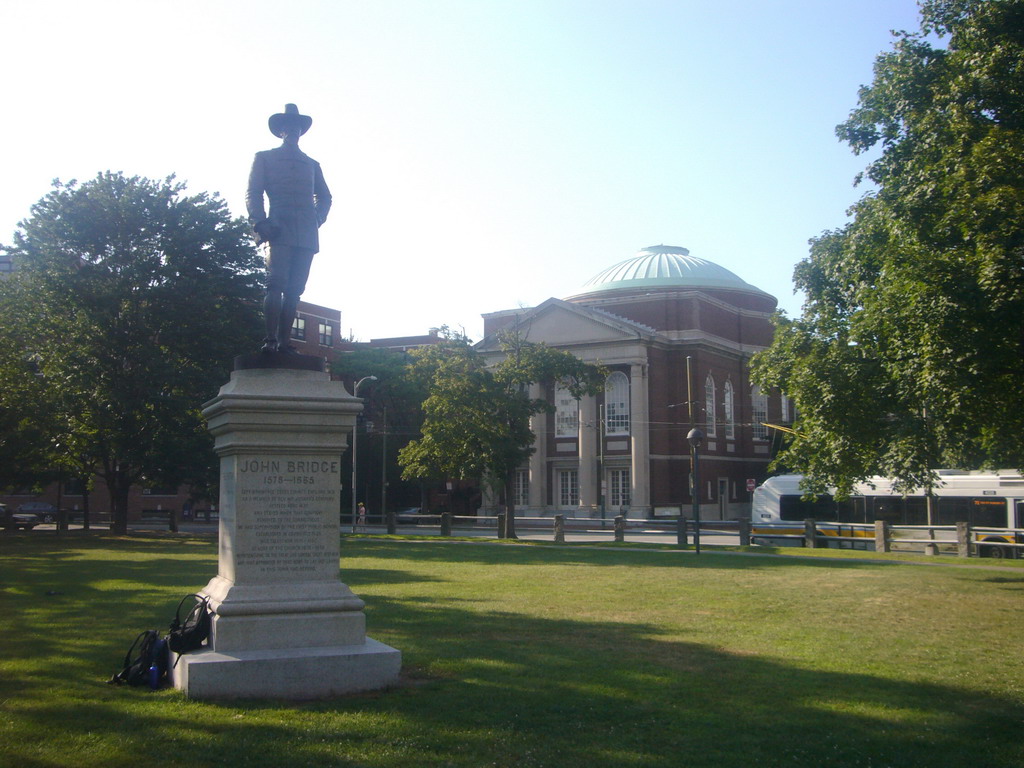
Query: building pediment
x=558, y=323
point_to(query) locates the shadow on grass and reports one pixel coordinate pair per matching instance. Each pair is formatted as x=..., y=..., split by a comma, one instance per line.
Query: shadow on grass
x=1005, y=580
x=491, y=688
x=476, y=551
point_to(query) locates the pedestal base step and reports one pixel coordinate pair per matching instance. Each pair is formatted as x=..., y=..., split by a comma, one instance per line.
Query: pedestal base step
x=290, y=673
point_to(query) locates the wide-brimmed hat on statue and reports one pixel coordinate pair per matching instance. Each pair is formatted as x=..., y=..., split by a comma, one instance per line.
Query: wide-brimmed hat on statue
x=290, y=116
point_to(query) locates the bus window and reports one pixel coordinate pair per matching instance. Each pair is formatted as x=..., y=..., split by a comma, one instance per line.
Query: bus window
x=794, y=508
x=1020, y=515
x=851, y=510
x=916, y=510
x=952, y=510
x=888, y=508
x=986, y=512
x=989, y=512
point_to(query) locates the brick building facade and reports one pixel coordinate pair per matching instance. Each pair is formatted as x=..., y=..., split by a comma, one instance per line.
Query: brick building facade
x=676, y=334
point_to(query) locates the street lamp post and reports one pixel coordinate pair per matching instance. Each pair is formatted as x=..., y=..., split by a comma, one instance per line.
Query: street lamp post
x=695, y=437
x=681, y=536
x=355, y=432
x=601, y=482
x=389, y=517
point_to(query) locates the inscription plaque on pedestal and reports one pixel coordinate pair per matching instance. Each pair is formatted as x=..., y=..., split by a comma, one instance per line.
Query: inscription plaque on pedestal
x=290, y=529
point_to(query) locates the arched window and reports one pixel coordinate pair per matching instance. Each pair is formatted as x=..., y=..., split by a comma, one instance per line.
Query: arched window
x=616, y=404
x=709, y=406
x=730, y=414
x=567, y=413
x=759, y=413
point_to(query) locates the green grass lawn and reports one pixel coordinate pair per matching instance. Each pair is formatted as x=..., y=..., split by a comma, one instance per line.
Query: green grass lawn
x=539, y=656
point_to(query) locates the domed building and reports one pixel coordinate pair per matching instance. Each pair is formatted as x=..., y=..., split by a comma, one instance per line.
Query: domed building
x=676, y=333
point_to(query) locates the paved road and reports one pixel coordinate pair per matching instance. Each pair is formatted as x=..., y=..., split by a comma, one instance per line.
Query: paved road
x=592, y=534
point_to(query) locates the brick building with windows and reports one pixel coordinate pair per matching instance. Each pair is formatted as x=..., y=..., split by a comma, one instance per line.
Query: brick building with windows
x=316, y=330
x=676, y=333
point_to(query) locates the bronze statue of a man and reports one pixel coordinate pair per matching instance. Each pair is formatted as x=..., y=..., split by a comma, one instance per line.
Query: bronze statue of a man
x=299, y=203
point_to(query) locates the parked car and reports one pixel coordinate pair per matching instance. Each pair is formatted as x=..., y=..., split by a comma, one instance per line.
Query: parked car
x=413, y=516
x=43, y=511
x=9, y=519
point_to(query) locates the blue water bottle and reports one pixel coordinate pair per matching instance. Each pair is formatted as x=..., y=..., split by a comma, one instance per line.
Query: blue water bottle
x=154, y=677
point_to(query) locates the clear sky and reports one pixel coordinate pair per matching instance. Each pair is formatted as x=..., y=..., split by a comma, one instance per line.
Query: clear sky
x=482, y=154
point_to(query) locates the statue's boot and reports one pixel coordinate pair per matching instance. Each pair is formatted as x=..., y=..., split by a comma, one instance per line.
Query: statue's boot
x=271, y=317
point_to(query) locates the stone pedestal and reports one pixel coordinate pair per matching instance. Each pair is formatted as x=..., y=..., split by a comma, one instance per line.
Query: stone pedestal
x=284, y=624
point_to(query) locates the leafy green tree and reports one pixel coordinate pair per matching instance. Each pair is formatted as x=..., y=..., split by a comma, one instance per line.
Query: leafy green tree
x=394, y=388
x=478, y=417
x=394, y=404
x=42, y=437
x=909, y=353
x=128, y=305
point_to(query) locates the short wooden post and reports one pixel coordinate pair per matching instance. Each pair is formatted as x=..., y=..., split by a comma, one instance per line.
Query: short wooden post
x=172, y=520
x=963, y=539
x=744, y=529
x=882, y=540
x=446, y=523
x=620, y=528
x=682, y=537
x=810, y=534
x=560, y=529
x=62, y=520
x=501, y=525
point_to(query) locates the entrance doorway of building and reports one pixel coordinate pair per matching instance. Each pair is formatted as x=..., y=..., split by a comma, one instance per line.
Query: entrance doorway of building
x=568, y=489
x=618, y=490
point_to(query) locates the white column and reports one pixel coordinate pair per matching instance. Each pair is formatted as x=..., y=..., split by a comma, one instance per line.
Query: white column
x=639, y=428
x=589, y=435
x=538, y=461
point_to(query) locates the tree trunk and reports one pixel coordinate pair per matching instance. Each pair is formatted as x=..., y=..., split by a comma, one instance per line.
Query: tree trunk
x=118, y=485
x=510, y=506
x=85, y=507
x=118, y=513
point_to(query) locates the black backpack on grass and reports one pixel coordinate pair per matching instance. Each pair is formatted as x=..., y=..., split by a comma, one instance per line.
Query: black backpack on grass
x=189, y=633
x=147, y=659
x=145, y=663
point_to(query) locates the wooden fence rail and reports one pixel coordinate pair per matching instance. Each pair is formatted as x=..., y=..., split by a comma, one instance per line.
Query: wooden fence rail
x=963, y=539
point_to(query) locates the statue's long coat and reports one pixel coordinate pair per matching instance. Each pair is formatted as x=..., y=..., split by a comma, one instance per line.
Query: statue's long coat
x=299, y=197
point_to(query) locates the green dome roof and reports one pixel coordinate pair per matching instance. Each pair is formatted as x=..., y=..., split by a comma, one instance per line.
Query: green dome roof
x=666, y=266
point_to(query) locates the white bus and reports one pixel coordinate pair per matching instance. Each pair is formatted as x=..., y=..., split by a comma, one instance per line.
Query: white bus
x=986, y=500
